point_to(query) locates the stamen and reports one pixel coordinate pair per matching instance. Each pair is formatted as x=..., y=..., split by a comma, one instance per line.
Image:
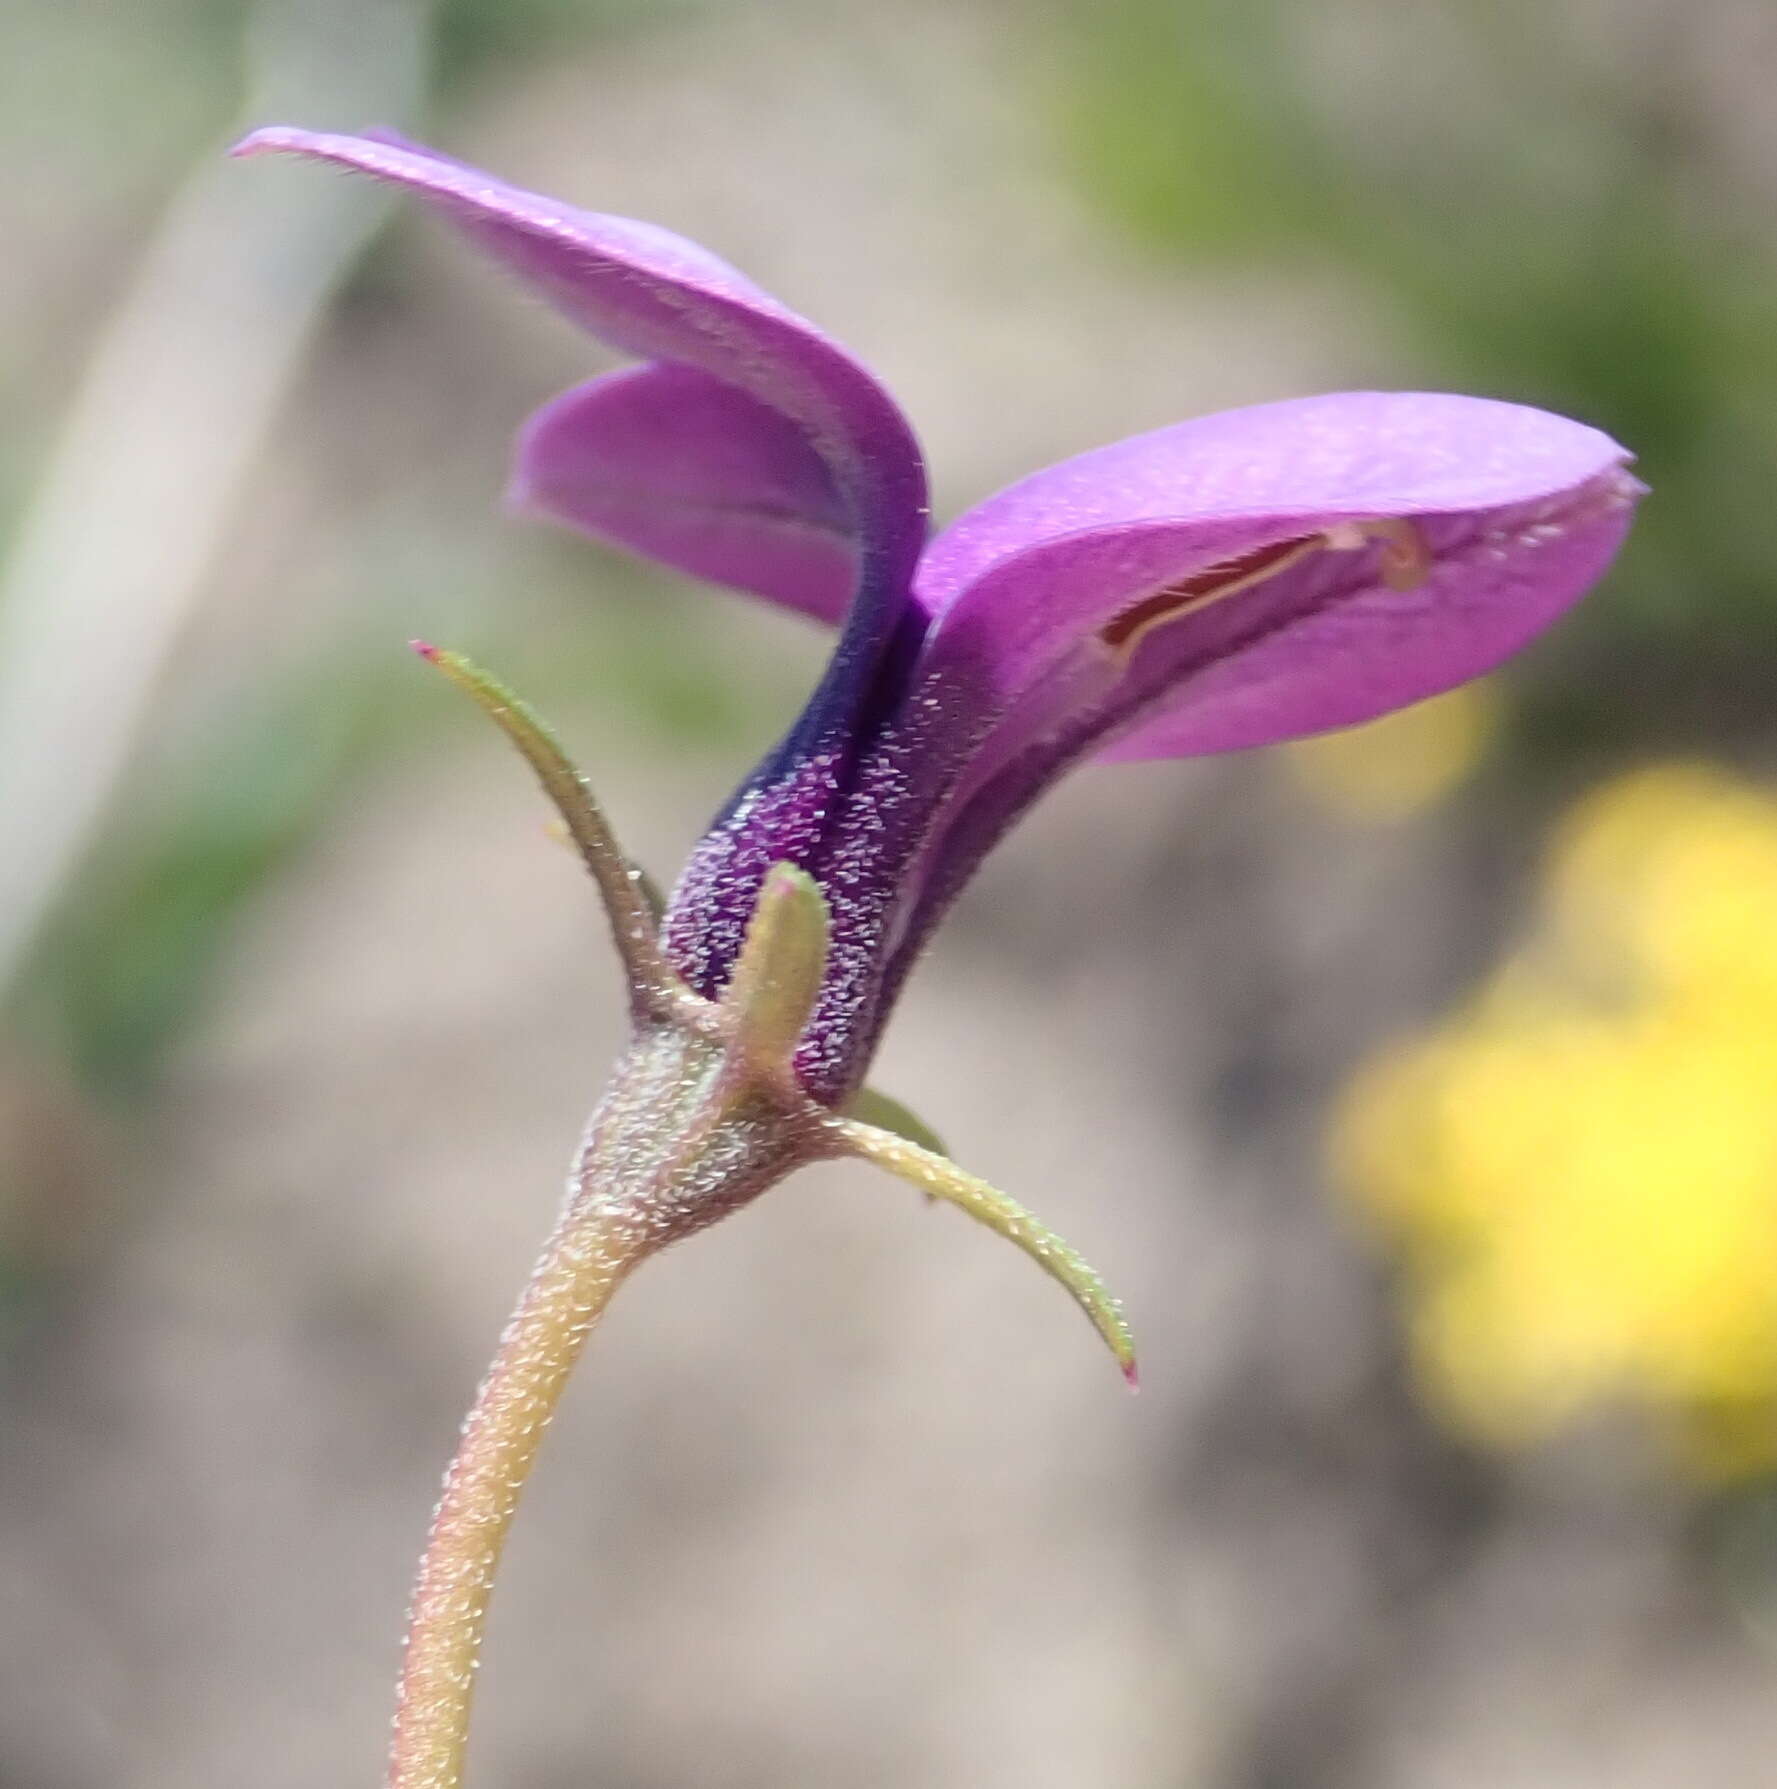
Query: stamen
x=1404, y=563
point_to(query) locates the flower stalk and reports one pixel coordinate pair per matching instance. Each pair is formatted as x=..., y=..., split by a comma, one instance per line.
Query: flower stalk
x=670, y=1149
x=581, y=1267
x=704, y=1112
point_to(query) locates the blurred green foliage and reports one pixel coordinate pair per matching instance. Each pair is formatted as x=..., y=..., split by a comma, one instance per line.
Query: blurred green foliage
x=475, y=38
x=132, y=951
x=1540, y=201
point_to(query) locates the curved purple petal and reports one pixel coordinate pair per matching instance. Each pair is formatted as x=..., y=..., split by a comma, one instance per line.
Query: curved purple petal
x=671, y=463
x=1251, y=551
x=1353, y=452
x=657, y=296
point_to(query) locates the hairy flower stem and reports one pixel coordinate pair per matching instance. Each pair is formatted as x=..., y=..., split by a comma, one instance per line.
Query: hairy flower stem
x=585, y=1260
x=704, y=1112
x=667, y=1152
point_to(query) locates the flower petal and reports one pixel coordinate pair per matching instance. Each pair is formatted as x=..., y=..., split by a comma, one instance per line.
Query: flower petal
x=1236, y=553
x=657, y=296
x=671, y=463
x=1354, y=452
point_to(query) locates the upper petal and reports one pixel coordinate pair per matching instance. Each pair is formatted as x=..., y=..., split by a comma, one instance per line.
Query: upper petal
x=1344, y=453
x=1039, y=589
x=669, y=462
x=655, y=295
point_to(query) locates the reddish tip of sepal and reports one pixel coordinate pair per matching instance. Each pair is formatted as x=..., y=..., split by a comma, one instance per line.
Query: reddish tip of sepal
x=426, y=650
x=1131, y=1375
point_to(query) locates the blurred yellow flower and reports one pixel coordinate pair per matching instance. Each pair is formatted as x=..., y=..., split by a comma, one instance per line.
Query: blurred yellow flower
x=1393, y=768
x=1579, y=1170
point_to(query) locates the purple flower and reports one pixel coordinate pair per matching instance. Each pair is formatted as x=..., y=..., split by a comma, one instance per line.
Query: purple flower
x=1244, y=578
x=1240, y=579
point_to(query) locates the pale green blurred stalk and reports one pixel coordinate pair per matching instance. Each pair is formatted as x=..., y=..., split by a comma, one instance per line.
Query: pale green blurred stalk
x=185, y=383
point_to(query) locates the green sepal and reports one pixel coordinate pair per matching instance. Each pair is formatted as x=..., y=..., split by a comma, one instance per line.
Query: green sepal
x=621, y=886
x=871, y=1106
x=777, y=980
x=940, y=1178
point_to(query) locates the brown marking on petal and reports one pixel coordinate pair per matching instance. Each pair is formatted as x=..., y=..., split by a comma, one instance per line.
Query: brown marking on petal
x=1128, y=630
x=1404, y=563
